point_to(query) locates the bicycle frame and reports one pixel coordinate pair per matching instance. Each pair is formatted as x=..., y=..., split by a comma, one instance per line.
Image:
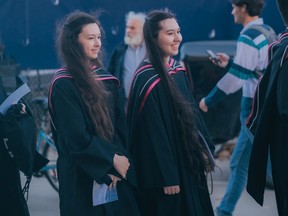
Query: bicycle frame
x=45, y=144
x=42, y=140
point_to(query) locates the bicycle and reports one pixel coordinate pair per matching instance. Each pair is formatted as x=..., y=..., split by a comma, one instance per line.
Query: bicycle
x=45, y=144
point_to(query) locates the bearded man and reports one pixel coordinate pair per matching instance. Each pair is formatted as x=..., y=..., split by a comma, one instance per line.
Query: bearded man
x=127, y=55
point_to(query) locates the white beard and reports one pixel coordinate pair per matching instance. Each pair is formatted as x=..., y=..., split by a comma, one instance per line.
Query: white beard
x=133, y=41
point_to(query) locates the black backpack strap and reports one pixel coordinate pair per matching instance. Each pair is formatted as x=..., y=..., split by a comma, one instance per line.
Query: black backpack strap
x=25, y=189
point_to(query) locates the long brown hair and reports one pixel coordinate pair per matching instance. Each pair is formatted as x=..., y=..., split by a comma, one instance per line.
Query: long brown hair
x=73, y=57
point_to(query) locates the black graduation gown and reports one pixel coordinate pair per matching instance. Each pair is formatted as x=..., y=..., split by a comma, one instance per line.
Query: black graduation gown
x=84, y=156
x=12, y=201
x=156, y=148
x=270, y=125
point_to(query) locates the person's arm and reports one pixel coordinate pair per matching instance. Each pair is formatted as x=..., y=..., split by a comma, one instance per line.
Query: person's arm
x=242, y=68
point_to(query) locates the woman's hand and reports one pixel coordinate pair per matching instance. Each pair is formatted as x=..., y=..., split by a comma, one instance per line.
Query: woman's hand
x=171, y=190
x=121, y=164
x=114, y=179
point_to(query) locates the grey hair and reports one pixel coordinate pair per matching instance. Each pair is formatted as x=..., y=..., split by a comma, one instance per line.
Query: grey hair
x=136, y=15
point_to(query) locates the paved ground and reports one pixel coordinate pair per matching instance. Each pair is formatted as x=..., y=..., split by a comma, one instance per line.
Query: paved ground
x=246, y=205
x=43, y=200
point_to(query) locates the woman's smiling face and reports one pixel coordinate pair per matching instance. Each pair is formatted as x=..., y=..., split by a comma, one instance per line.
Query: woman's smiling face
x=169, y=37
x=90, y=39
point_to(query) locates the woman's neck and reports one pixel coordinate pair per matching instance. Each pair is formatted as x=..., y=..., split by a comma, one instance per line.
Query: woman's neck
x=166, y=60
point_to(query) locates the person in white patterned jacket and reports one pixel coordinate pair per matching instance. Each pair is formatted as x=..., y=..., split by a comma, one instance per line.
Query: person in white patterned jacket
x=243, y=72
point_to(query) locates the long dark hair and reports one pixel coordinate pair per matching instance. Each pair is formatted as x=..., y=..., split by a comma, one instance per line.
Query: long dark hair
x=72, y=55
x=185, y=116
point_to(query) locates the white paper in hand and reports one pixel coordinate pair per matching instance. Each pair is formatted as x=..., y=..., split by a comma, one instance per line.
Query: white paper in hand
x=14, y=97
x=103, y=194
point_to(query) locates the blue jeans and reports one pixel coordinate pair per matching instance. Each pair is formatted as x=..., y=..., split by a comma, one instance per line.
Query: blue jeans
x=239, y=169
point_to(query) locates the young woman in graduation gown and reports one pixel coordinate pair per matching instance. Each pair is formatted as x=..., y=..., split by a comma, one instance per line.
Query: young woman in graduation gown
x=167, y=137
x=88, y=124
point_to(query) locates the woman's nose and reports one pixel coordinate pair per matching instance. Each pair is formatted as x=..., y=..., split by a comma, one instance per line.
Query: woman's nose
x=178, y=37
x=97, y=42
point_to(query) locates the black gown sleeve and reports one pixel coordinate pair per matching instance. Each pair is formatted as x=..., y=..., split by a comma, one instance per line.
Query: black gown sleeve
x=282, y=93
x=92, y=153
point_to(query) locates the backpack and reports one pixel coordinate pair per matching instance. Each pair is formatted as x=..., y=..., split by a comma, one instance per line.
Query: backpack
x=267, y=31
x=18, y=139
x=269, y=34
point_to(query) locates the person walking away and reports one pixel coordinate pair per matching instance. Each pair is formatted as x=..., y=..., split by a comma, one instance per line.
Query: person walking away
x=250, y=59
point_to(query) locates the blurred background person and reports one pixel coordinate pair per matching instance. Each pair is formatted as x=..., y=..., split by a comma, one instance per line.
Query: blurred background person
x=127, y=55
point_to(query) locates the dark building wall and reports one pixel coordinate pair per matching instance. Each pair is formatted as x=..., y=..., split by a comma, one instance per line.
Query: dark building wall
x=27, y=27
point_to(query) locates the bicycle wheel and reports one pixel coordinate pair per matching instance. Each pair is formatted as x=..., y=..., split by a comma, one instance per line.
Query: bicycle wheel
x=50, y=170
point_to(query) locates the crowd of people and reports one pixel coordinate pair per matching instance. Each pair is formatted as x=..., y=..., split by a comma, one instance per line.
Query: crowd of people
x=135, y=126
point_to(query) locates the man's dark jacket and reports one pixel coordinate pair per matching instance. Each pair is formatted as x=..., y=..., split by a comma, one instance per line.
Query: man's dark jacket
x=116, y=65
